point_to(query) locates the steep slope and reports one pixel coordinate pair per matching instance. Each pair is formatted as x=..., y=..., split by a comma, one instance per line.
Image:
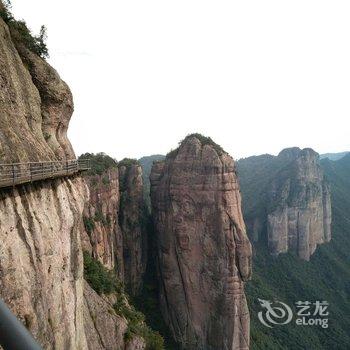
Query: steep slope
x=287, y=201
x=204, y=255
x=132, y=223
x=146, y=164
x=40, y=258
x=104, y=237
x=334, y=156
x=288, y=279
x=41, y=224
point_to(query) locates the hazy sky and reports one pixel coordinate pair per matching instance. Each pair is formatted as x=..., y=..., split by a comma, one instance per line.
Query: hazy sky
x=256, y=76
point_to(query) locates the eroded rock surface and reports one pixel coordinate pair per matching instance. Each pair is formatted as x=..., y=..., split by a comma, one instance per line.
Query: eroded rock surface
x=132, y=225
x=41, y=269
x=105, y=330
x=41, y=224
x=204, y=252
x=104, y=238
x=287, y=201
x=35, y=105
x=300, y=215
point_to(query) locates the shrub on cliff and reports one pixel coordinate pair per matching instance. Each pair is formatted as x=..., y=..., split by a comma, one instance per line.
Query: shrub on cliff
x=99, y=162
x=105, y=281
x=22, y=34
x=204, y=140
x=88, y=224
x=137, y=325
x=128, y=162
x=100, y=279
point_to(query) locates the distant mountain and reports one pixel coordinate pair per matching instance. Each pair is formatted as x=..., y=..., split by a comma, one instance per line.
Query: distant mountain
x=334, y=156
x=146, y=164
x=286, y=201
x=289, y=279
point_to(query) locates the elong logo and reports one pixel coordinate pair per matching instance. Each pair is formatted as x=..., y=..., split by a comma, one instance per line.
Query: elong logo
x=278, y=313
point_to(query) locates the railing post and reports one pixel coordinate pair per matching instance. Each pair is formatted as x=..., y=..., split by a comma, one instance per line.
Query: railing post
x=13, y=174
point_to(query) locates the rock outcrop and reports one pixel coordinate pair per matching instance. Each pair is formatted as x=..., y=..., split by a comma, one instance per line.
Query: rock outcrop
x=103, y=327
x=203, y=250
x=115, y=220
x=41, y=270
x=300, y=206
x=103, y=238
x=36, y=105
x=287, y=201
x=41, y=224
x=131, y=220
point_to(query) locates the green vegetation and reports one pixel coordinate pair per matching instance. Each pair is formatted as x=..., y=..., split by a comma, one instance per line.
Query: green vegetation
x=128, y=162
x=99, y=162
x=106, y=282
x=204, y=141
x=105, y=180
x=89, y=224
x=100, y=279
x=99, y=217
x=289, y=279
x=22, y=34
x=137, y=325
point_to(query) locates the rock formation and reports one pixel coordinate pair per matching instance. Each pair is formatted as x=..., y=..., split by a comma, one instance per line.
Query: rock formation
x=41, y=271
x=114, y=221
x=203, y=251
x=36, y=105
x=41, y=224
x=131, y=222
x=103, y=327
x=104, y=238
x=292, y=200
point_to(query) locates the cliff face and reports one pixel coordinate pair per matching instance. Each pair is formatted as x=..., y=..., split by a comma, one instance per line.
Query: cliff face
x=114, y=222
x=204, y=253
x=41, y=224
x=293, y=203
x=36, y=106
x=300, y=217
x=103, y=327
x=41, y=274
x=131, y=223
x=104, y=238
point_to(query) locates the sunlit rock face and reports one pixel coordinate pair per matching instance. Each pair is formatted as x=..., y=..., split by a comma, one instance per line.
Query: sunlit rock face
x=41, y=224
x=203, y=250
x=41, y=266
x=36, y=105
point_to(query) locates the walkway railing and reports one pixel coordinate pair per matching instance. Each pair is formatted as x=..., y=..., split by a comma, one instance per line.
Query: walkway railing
x=19, y=173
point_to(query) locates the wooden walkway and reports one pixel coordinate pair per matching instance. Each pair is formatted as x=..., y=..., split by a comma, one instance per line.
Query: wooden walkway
x=20, y=173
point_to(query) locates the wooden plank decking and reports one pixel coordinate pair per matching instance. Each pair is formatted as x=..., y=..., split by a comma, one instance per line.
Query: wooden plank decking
x=20, y=173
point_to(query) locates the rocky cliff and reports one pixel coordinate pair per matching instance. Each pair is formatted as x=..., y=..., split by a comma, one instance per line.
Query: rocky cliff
x=287, y=200
x=41, y=271
x=36, y=105
x=114, y=218
x=203, y=250
x=131, y=220
x=41, y=224
x=104, y=237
